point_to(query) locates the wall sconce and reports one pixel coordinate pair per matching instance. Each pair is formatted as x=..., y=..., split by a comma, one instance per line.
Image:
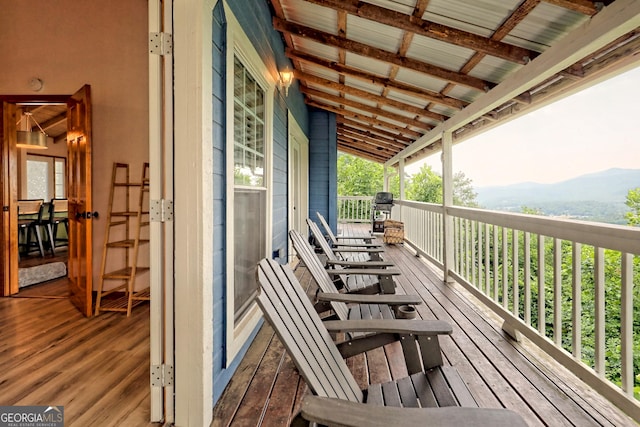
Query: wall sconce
x=286, y=78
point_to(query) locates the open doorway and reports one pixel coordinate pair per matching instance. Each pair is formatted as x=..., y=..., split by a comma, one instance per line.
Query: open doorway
x=46, y=197
x=43, y=223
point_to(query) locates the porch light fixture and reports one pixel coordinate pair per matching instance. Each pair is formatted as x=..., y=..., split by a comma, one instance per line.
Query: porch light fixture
x=286, y=78
x=27, y=138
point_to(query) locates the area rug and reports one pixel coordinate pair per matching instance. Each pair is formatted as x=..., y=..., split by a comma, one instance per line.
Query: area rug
x=41, y=273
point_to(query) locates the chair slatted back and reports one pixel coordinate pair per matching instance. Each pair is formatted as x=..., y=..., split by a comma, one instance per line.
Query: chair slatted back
x=320, y=239
x=327, y=228
x=290, y=313
x=312, y=262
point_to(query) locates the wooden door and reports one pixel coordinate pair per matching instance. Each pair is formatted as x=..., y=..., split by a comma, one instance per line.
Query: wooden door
x=8, y=198
x=79, y=196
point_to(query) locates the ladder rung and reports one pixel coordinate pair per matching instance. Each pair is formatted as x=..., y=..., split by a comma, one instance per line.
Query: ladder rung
x=128, y=243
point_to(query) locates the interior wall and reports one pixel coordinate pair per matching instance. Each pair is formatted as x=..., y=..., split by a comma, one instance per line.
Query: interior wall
x=86, y=42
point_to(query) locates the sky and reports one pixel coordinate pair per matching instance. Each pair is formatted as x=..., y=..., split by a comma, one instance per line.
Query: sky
x=590, y=131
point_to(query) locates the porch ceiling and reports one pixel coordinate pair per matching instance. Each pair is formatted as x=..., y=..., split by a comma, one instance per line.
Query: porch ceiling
x=395, y=70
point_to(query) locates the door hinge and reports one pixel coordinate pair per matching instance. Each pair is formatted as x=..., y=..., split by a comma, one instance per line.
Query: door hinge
x=160, y=43
x=161, y=375
x=161, y=210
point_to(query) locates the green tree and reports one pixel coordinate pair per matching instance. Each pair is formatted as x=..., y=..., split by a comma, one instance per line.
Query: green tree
x=463, y=194
x=358, y=177
x=425, y=186
x=633, y=202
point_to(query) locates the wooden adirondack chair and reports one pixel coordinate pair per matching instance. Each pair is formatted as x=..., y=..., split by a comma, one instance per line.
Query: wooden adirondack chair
x=337, y=241
x=341, y=269
x=340, y=401
x=364, y=306
x=357, y=254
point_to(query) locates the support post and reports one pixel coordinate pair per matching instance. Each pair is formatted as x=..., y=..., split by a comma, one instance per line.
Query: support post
x=447, y=201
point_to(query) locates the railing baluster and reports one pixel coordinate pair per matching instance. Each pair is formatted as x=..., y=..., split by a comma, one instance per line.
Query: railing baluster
x=487, y=259
x=479, y=282
x=598, y=276
x=542, y=308
x=626, y=326
x=468, y=227
x=495, y=263
x=576, y=313
x=557, y=292
x=527, y=277
x=505, y=268
x=516, y=279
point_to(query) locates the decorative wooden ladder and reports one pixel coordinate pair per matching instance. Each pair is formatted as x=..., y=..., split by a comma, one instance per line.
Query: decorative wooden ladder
x=123, y=233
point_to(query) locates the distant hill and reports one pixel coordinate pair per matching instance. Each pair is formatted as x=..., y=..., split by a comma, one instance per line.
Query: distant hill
x=597, y=196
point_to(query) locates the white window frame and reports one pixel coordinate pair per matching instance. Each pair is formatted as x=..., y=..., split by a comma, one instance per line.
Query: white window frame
x=238, y=44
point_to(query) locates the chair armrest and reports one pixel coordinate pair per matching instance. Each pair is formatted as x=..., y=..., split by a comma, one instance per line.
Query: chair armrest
x=361, y=264
x=366, y=271
x=370, y=299
x=419, y=339
x=348, y=248
x=356, y=245
x=412, y=327
x=328, y=411
x=366, y=239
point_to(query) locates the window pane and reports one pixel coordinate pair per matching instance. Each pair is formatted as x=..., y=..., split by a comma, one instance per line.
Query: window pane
x=248, y=121
x=250, y=243
x=38, y=179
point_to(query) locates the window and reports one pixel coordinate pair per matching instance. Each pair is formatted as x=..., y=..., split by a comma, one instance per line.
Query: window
x=45, y=177
x=250, y=200
x=249, y=131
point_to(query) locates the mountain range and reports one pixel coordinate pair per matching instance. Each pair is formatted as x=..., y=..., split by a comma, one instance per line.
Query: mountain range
x=596, y=196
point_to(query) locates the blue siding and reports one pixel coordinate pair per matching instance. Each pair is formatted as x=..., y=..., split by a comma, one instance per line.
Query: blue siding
x=219, y=200
x=255, y=18
x=323, y=153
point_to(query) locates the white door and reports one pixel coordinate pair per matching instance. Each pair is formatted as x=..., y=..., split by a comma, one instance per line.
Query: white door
x=298, y=179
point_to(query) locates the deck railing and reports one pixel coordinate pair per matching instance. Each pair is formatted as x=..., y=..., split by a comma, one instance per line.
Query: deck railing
x=549, y=280
x=354, y=209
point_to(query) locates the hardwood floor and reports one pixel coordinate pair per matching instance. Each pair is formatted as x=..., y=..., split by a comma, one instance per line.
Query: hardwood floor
x=97, y=368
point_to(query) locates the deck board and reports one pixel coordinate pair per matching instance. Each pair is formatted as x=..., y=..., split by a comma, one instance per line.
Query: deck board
x=498, y=371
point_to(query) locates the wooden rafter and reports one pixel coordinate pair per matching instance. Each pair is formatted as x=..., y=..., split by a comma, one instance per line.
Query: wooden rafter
x=372, y=129
x=366, y=108
x=368, y=96
x=378, y=80
x=587, y=7
x=347, y=148
x=347, y=130
x=425, y=28
x=372, y=145
x=341, y=111
x=380, y=54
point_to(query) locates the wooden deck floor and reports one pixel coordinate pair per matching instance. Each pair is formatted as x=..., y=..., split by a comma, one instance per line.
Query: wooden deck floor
x=500, y=373
x=98, y=369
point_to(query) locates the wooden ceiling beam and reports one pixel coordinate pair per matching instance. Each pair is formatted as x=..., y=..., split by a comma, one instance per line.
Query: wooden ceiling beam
x=586, y=7
x=378, y=80
x=62, y=117
x=368, y=95
x=372, y=146
x=340, y=111
x=366, y=108
x=430, y=29
x=380, y=54
x=345, y=148
x=371, y=129
x=346, y=130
